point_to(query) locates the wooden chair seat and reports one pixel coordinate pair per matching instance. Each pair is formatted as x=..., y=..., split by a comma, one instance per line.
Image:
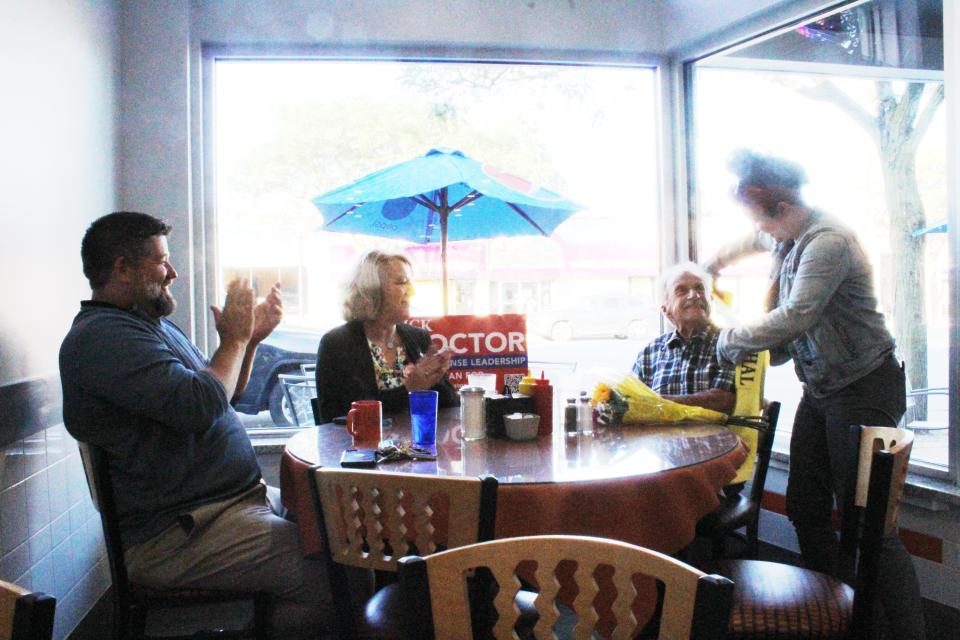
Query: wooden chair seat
x=778, y=601
x=381, y=615
x=782, y=602
x=177, y=597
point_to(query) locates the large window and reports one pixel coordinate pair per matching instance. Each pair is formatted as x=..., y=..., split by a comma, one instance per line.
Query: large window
x=287, y=131
x=856, y=97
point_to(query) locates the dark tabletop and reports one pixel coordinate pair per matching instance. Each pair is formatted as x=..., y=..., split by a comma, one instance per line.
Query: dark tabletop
x=610, y=452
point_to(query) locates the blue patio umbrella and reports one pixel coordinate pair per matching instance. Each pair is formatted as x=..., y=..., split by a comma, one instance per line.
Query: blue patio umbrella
x=937, y=227
x=443, y=196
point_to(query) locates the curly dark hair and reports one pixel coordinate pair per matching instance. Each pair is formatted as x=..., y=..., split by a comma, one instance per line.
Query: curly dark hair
x=767, y=180
x=757, y=170
x=121, y=233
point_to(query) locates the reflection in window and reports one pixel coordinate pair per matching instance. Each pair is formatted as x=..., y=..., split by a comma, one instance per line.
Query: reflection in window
x=856, y=98
x=288, y=131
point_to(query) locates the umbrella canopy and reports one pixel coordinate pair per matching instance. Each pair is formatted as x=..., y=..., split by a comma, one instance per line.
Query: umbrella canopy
x=939, y=227
x=443, y=196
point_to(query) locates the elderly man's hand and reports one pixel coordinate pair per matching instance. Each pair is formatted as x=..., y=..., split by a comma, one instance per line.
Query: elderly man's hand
x=267, y=315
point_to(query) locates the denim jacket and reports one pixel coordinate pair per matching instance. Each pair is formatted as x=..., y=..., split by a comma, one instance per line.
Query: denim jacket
x=826, y=315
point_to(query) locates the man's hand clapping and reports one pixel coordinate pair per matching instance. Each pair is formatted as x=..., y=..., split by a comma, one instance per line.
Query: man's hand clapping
x=267, y=315
x=235, y=321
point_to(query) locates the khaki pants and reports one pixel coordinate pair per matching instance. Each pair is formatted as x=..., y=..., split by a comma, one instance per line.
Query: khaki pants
x=239, y=544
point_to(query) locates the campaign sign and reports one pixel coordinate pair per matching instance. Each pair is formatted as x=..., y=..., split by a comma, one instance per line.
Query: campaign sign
x=490, y=344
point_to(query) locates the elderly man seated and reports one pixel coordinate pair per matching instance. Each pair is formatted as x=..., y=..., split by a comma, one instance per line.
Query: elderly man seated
x=681, y=365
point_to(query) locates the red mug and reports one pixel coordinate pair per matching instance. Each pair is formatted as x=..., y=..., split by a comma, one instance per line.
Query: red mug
x=364, y=421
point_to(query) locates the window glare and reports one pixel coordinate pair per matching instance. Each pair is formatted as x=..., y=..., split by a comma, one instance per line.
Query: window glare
x=789, y=104
x=288, y=131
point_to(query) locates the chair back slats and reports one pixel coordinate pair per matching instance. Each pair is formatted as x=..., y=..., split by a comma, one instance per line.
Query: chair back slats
x=446, y=571
x=372, y=519
x=97, y=464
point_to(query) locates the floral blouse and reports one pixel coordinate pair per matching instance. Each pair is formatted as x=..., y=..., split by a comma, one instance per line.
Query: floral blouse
x=387, y=377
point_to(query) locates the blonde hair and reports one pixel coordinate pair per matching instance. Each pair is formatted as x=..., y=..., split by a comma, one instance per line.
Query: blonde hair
x=364, y=297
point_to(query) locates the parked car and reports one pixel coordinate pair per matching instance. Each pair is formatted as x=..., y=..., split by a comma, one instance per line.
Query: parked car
x=282, y=352
x=598, y=316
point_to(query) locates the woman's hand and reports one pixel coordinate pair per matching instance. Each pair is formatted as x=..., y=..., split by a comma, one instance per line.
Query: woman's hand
x=428, y=370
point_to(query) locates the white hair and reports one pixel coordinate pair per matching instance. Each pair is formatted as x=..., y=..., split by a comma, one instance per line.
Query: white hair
x=670, y=275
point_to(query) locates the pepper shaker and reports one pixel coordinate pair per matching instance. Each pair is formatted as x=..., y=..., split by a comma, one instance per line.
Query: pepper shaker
x=584, y=415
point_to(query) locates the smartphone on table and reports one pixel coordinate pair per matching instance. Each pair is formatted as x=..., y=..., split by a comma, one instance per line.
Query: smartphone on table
x=358, y=458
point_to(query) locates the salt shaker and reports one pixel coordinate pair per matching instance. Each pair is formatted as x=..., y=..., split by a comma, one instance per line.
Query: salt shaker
x=473, y=418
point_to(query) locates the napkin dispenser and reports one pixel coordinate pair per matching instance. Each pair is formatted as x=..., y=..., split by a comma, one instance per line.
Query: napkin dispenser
x=496, y=406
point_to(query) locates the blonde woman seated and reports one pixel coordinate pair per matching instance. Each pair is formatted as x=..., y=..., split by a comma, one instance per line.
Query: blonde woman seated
x=376, y=355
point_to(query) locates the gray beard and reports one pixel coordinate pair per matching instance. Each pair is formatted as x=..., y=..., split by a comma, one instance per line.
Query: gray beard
x=159, y=304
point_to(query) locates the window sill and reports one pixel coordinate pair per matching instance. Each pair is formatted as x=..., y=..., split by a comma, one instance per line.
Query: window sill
x=928, y=493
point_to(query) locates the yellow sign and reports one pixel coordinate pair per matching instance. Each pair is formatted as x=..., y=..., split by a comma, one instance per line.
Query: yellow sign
x=749, y=389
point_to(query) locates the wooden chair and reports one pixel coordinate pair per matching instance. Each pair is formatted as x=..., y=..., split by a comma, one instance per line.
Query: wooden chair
x=437, y=604
x=736, y=510
x=372, y=519
x=779, y=601
x=25, y=615
x=132, y=601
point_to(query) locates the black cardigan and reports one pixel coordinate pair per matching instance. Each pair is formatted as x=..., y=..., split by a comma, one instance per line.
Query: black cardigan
x=345, y=371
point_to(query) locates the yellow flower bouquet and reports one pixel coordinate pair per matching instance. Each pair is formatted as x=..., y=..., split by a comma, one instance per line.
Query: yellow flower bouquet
x=630, y=401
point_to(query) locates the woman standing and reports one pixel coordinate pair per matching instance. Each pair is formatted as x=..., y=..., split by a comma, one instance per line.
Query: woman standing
x=376, y=355
x=822, y=314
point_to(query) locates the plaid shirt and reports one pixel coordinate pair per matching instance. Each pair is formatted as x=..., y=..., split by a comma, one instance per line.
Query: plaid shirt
x=671, y=365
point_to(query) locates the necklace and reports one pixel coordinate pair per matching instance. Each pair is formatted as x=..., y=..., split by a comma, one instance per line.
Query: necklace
x=390, y=341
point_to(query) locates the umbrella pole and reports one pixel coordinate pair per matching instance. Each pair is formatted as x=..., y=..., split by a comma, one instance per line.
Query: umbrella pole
x=444, y=214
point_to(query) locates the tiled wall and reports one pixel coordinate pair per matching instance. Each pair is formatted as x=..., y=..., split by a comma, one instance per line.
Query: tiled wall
x=50, y=534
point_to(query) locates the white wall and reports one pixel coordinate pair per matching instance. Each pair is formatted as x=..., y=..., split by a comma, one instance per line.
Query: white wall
x=57, y=174
x=57, y=168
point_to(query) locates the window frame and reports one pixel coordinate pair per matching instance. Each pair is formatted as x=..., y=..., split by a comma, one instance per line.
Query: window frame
x=777, y=23
x=205, y=262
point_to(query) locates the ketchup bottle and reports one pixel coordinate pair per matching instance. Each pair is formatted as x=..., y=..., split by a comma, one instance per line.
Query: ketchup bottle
x=543, y=402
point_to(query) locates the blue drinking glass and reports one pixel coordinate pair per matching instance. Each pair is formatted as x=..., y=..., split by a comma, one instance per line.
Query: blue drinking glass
x=423, y=417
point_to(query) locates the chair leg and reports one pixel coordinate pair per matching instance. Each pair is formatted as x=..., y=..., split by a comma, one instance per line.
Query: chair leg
x=261, y=616
x=753, y=542
x=129, y=622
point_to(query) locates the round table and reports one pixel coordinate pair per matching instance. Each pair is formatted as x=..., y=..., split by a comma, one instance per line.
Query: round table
x=647, y=485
